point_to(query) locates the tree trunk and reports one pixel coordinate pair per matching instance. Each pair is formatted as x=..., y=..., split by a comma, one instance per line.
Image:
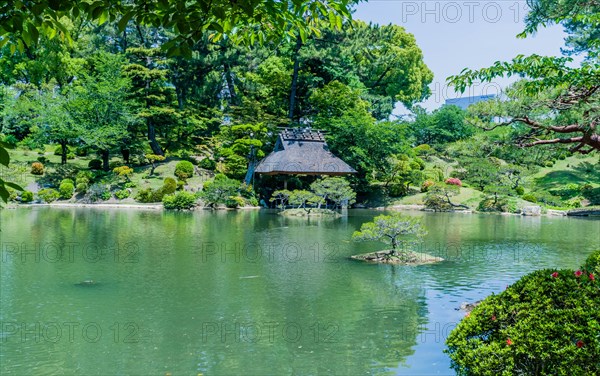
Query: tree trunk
x=230, y=84
x=64, y=151
x=125, y=153
x=295, y=77
x=152, y=138
x=105, y=159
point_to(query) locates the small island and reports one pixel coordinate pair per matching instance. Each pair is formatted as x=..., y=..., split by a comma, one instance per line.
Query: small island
x=389, y=229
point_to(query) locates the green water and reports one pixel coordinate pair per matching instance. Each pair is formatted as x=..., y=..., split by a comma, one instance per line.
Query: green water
x=232, y=293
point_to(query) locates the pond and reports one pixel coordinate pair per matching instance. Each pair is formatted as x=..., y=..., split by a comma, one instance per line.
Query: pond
x=115, y=291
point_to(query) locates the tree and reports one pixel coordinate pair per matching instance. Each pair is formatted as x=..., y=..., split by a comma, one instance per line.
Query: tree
x=282, y=195
x=304, y=199
x=55, y=124
x=541, y=324
x=218, y=190
x=438, y=197
x=555, y=103
x=390, y=229
x=334, y=189
x=154, y=159
x=99, y=105
x=191, y=21
x=444, y=125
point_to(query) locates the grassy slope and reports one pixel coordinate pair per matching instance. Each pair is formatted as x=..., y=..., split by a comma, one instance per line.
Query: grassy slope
x=24, y=158
x=576, y=169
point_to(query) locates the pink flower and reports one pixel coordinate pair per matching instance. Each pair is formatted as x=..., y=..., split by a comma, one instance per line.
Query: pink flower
x=555, y=274
x=468, y=314
x=493, y=317
x=509, y=342
x=592, y=277
x=580, y=344
x=578, y=273
x=454, y=181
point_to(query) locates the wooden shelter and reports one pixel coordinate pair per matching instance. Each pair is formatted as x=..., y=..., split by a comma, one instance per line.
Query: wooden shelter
x=302, y=151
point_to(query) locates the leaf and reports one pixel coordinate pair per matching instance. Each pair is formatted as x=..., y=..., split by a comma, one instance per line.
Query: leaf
x=14, y=186
x=124, y=21
x=4, y=194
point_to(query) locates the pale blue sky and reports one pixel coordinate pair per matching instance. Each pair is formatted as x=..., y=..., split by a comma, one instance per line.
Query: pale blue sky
x=458, y=34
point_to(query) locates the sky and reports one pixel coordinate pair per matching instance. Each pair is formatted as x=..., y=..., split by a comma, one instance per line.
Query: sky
x=462, y=34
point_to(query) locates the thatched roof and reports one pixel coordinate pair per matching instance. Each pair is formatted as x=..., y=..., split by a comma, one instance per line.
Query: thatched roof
x=302, y=151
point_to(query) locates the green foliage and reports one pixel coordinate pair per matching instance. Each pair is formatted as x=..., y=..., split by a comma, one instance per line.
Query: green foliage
x=123, y=194
x=66, y=190
x=184, y=170
x=234, y=202
x=391, y=229
x=438, y=197
x=592, y=264
x=545, y=323
x=81, y=188
x=282, y=196
x=529, y=197
x=95, y=164
x=97, y=192
x=37, y=168
x=444, y=125
x=48, y=195
x=426, y=185
x=26, y=197
x=334, y=189
x=217, y=191
x=591, y=194
x=145, y=195
x=493, y=204
x=180, y=201
x=520, y=190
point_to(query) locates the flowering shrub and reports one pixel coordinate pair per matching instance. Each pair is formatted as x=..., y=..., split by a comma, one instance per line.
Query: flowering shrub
x=454, y=181
x=37, y=168
x=546, y=323
x=426, y=185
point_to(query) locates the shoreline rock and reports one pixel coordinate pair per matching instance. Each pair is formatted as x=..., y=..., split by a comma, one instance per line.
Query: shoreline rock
x=382, y=257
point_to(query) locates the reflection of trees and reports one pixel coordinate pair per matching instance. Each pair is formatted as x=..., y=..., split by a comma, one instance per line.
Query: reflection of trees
x=354, y=318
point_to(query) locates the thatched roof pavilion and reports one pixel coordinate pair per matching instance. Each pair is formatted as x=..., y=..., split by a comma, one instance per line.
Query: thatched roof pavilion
x=302, y=151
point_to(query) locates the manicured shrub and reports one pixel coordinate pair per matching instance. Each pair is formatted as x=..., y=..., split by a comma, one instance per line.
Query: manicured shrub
x=519, y=190
x=26, y=196
x=95, y=164
x=207, y=164
x=426, y=185
x=37, y=168
x=592, y=264
x=67, y=181
x=145, y=195
x=180, y=201
x=169, y=186
x=42, y=159
x=122, y=194
x=454, y=181
x=423, y=149
x=529, y=197
x=123, y=171
x=184, y=170
x=545, y=323
x=81, y=188
x=234, y=202
x=66, y=190
x=48, y=195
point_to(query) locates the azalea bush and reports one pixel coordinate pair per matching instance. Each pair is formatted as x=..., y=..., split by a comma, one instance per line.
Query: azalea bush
x=548, y=322
x=454, y=181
